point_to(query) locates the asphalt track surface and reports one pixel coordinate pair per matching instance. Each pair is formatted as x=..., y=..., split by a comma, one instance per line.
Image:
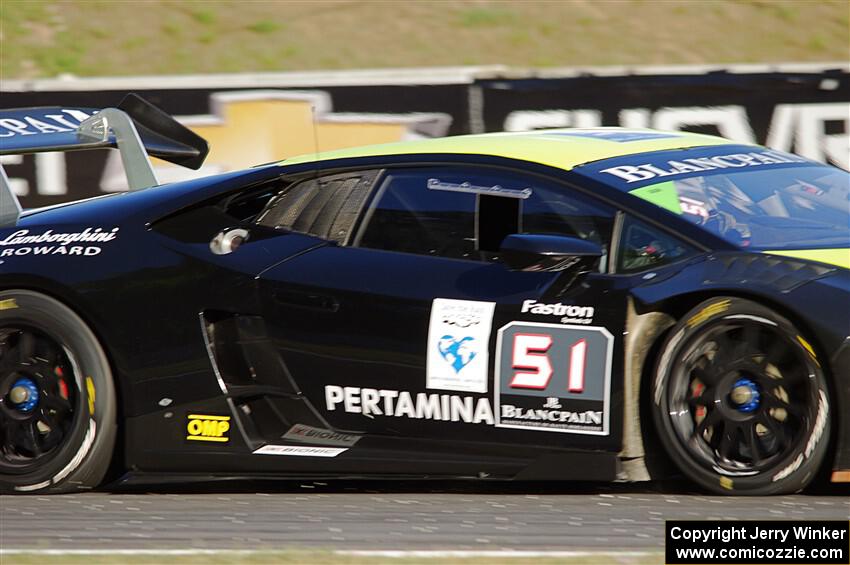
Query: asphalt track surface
x=369, y=516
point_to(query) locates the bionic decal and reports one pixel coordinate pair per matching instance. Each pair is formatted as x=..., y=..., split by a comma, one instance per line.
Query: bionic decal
x=553, y=378
x=569, y=314
x=202, y=427
x=458, y=345
x=403, y=404
x=309, y=434
x=22, y=242
x=300, y=451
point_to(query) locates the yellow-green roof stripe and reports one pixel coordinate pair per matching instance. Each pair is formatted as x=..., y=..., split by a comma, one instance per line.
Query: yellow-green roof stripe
x=561, y=151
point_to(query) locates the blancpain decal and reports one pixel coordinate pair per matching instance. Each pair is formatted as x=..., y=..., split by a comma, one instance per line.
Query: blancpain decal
x=403, y=404
x=589, y=417
x=646, y=171
x=309, y=434
x=300, y=450
x=22, y=242
x=569, y=314
x=458, y=345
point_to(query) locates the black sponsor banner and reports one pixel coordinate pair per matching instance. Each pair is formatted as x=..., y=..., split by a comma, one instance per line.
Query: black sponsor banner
x=803, y=112
x=763, y=542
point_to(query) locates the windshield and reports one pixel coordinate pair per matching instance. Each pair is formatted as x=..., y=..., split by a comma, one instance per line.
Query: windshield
x=806, y=207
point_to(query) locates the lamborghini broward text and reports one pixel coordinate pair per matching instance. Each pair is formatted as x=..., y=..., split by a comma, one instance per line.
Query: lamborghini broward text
x=601, y=304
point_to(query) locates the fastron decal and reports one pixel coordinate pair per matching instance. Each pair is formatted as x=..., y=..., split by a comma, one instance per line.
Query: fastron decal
x=403, y=404
x=458, y=345
x=569, y=314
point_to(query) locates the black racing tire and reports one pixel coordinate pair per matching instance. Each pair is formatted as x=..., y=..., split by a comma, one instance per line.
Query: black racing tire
x=65, y=441
x=740, y=400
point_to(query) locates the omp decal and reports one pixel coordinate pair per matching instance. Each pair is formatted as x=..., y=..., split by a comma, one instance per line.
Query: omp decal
x=8, y=304
x=402, y=404
x=570, y=314
x=300, y=451
x=554, y=378
x=837, y=257
x=91, y=393
x=458, y=345
x=708, y=312
x=807, y=346
x=437, y=184
x=309, y=434
x=727, y=483
x=49, y=242
x=203, y=427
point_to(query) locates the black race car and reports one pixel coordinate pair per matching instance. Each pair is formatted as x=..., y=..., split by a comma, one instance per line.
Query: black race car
x=552, y=305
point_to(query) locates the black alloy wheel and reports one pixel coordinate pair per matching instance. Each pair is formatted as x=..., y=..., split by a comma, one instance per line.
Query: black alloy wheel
x=57, y=399
x=38, y=398
x=741, y=400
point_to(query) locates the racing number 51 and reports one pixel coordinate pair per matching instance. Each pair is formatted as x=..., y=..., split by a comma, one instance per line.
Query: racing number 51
x=532, y=368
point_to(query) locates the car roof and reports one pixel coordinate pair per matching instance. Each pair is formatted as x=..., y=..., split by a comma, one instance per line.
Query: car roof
x=560, y=148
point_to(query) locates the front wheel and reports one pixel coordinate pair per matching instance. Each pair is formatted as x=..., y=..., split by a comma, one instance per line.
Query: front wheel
x=57, y=399
x=740, y=400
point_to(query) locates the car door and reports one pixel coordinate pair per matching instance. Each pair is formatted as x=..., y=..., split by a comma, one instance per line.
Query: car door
x=410, y=328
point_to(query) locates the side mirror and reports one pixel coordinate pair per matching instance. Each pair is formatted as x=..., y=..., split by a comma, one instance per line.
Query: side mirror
x=548, y=253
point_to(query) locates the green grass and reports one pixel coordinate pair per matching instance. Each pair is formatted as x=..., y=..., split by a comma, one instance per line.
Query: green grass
x=42, y=38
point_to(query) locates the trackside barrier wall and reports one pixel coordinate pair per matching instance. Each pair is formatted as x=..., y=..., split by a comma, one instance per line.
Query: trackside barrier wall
x=255, y=118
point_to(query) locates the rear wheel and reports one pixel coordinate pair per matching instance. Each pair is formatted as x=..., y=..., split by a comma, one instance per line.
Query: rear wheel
x=57, y=399
x=741, y=401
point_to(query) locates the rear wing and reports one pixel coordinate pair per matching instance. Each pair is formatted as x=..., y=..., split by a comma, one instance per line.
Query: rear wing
x=135, y=127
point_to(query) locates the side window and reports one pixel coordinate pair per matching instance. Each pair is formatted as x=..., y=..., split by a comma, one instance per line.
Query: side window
x=645, y=247
x=556, y=210
x=466, y=212
x=408, y=217
x=325, y=207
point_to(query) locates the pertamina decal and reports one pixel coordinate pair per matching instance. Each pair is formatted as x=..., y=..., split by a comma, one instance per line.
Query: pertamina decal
x=403, y=404
x=458, y=345
x=207, y=427
x=554, y=378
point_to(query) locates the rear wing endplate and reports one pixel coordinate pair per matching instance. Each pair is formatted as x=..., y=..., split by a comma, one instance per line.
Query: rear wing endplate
x=135, y=127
